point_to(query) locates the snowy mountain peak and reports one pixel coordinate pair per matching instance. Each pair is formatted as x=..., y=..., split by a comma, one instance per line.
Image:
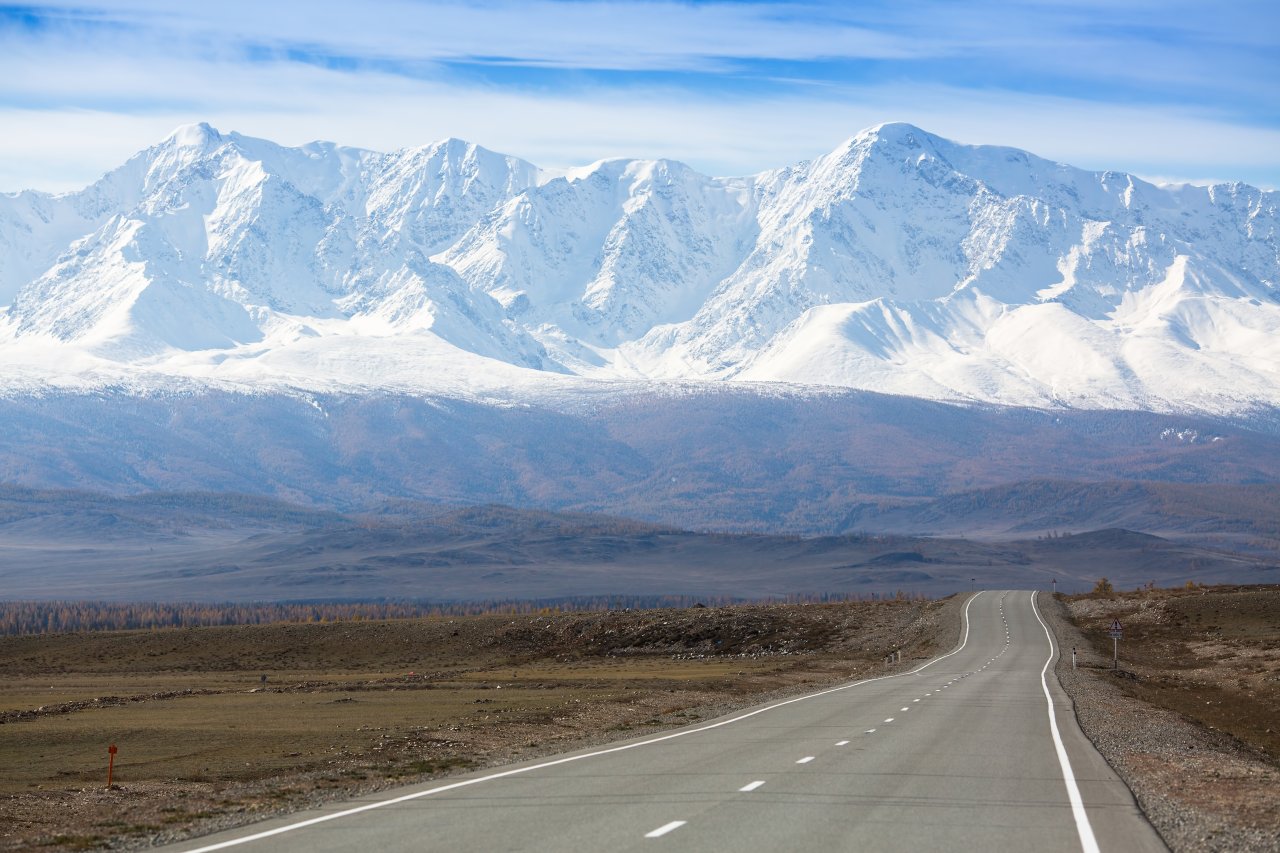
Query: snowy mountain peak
x=900, y=261
x=199, y=136
x=898, y=133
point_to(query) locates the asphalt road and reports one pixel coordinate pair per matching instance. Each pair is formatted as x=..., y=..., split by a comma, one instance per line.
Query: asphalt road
x=962, y=753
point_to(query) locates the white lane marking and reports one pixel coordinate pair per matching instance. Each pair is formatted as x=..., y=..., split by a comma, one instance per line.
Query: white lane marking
x=904, y=708
x=258, y=836
x=889, y=720
x=665, y=828
x=915, y=700
x=805, y=760
x=751, y=786
x=1088, y=843
x=870, y=731
x=844, y=742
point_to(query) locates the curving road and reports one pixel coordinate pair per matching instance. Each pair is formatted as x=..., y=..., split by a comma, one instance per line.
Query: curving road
x=977, y=749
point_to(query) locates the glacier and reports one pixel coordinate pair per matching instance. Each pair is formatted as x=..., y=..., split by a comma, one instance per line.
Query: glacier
x=899, y=263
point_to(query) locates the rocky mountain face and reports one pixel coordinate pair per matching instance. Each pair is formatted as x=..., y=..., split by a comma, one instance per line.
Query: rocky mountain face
x=900, y=262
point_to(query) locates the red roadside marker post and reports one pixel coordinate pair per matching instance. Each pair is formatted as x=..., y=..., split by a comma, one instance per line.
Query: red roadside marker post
x=111, y=762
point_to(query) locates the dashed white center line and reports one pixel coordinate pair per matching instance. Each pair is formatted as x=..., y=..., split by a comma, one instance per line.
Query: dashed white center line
x=904, y=708
x=665, y=828
x=889, y=719
x=751, y=786
x=806, y=759
x=915, y=700
x=871, y=731
x=845, y=742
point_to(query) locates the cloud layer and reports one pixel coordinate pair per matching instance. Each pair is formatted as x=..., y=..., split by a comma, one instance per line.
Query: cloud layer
x=1165, y=88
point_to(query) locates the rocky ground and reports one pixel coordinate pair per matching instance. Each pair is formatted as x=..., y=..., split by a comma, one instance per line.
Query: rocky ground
x=1189, y=718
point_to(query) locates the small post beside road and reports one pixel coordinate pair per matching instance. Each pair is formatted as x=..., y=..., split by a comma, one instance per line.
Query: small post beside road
x=1073, y=657
x=1055, y=586
x=1116, y=632
x=111, y=762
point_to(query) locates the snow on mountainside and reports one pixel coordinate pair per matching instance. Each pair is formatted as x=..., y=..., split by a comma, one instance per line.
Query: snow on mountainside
x=899, y=262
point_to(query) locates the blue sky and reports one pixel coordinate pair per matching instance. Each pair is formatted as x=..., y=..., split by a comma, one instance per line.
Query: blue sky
x=1169, y=89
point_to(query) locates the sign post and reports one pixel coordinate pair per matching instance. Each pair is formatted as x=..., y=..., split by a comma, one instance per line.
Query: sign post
x=1116, y=632
x=111, y=762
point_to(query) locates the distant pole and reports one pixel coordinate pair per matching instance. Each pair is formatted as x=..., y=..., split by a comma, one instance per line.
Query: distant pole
x=1055, y=586
x=111, y=762
x=1073, y=657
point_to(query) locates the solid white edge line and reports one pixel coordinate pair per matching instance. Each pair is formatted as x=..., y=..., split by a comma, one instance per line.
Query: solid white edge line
x=234, y=842
x=1088, y=843
x=665, y=828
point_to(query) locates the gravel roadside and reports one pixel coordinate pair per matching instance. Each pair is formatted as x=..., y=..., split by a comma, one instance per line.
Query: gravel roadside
x=1201, y=789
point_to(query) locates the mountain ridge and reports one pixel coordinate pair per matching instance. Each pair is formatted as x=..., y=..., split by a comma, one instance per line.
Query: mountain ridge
x=228, y=547
x=726, y=458
x=900, y=262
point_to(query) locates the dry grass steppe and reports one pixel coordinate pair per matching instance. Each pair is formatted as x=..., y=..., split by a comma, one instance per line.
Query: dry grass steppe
x=346, y=707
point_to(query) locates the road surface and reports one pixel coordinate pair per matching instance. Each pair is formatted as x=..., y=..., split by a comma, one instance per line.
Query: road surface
x=977, y=749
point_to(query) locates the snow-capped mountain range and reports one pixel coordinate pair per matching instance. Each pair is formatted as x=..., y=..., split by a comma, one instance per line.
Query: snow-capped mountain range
x=900, y=262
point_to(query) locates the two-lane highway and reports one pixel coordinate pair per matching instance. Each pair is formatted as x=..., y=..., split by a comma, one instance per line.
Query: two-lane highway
x=977, y=749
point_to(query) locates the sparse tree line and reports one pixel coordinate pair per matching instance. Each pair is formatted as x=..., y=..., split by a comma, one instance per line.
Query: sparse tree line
x=19, y=618
x=1104, y=588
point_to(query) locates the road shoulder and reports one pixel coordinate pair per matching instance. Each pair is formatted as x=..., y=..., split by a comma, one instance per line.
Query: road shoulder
x=1201, y=789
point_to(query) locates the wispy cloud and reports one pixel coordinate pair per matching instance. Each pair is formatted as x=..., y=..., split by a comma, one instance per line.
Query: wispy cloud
x=645, y=36
x=1165, y=42
x=1168, y=87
